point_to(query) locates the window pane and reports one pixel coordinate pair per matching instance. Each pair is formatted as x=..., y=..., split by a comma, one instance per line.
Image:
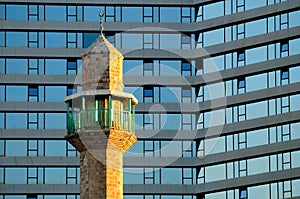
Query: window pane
x=56, y=67
x=170, y=68
x=16, y=39
x=258, y=165
x=170, y=41
x=16, y=148
x=55, y=40
x=133, y=176
x=55, y=176
x=15, y=176
x=55, y=148
x=214, y=37
x=132, y=14
x=55, y=93
x=132, y=41
x=252, y=30
x=55, y=121
x=11, y=119
x=16, y=93
x=214, y=173
x=250, y=4
x=256, y=55
x=256, y=110
x=16, y=12
x=133, y=67
x=171, y=176
x=168, y=14
x=55, y=13
x=91, y=13
x=213, y=10
x=256, y=82
x=16, y=66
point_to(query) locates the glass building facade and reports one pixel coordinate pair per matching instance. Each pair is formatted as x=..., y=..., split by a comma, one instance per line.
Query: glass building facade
x=218, y=88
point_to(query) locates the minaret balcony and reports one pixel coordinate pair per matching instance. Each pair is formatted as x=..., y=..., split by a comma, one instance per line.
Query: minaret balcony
x=102, y=119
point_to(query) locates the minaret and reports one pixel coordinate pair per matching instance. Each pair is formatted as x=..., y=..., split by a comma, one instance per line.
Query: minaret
x=101, y=121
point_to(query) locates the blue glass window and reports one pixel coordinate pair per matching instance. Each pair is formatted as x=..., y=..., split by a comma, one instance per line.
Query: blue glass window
x=169, y=14
x=132, y=14
x=284, y=47
x=72, y=67
x=55, y=148
x=241, y=56
x=132, y=41
x=148, y=92
x=241, y=83
x=186, y=93
x=170, y=94
x=16, y=66
x=55, y=40
x=16, y=12
x=55, y=67
x=284, y=74
x=55, y=176
x=89, y=38
x=55, y=121
x=91, y=13
x=55, y=13
x=170, y=68
x=243, y=194
x=252, y=30
x=15, y=176
x=32, y=196
x=133, y=67
x=11, y=119
x=148, y=66
x=32, y=91
x=2, y=12
x=16, y=39
x=250, y=4
x=55, y=93
x=2, y=95
x=2, y=120
x=2, y=39
x=186, y=66
x=214, y=37
x=170, y=41
x=213, y=10
x=16, y=93
x=16, y=147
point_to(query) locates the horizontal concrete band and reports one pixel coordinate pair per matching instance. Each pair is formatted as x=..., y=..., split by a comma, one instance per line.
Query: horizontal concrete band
x=138, y=81
x=167, y=189
x=157, y=162
x=13, y=79
x=201, y=53
x=219, y=103
x=206, y=25
x=217, y=186
x=216, y=131
x=40, y=161
x=214, y=159
x=33, y=134
x=206, y=133
x=214, y=77
x=33, y=107
x=115, y=2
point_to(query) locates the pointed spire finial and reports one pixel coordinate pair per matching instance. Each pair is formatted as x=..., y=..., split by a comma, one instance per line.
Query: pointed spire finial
x=101, y=14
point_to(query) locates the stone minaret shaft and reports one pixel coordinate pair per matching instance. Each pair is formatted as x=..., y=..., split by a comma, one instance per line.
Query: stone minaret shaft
x=101, y=122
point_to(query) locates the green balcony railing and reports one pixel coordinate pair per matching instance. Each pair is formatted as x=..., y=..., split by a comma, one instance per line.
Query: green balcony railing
x=104, y=119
